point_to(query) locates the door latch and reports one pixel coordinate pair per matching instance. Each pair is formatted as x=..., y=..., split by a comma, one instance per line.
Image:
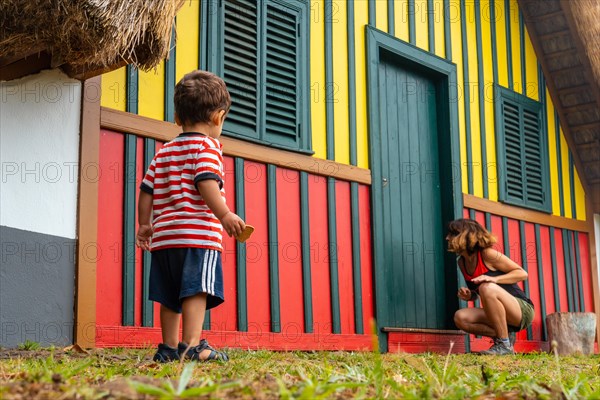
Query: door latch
x=385, y=182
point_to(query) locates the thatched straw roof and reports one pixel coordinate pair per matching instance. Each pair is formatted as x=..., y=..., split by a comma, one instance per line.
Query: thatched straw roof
x=566, y=38
x=88, y=34
x=586, y=14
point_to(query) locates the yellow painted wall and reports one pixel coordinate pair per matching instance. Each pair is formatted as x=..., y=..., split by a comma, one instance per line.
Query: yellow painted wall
x=317, y=78
x=509, y=49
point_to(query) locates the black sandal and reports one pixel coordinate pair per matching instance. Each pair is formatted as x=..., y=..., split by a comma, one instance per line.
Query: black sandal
x=194, y=352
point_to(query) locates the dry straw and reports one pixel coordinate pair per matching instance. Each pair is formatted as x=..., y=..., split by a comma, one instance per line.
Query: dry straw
x=586, y=14
x=85, y=33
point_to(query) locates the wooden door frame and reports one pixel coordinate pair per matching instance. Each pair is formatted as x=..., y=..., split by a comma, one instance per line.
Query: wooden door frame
x=444, y=74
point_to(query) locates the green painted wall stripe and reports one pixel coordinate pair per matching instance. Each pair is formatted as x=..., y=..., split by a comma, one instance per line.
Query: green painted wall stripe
x=333, y=257
x=526, y=268
x=132, y=89
x=170, y=81
x=306, y=261
x=472, y=215
x=573, y=268
x=431, y=26
x=561, y=196
x=505, y=237
x=240, y=209
x=273, y=248
x=481, y=89
x=572, y=184
x=542, y=96
x=412, y=32
x=147, y=304
x=554, y=270
x=203, y=33
x=356, y=260
x=494, y=41
x=523, y=55
x=329, y=82
x=129, y=206
x=568, y=269
x=540, y=270
x=508, y=44
x=447, y=32
x=467, y=96
x=391, y=18
x=579, y=276
x=351, y=84
x=372, y=12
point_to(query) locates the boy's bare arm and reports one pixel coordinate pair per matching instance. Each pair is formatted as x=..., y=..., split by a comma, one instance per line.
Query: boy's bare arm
x=142, y=239
x=210, y=192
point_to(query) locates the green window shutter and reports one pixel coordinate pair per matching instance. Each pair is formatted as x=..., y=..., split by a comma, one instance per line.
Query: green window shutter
x=260, y=48
x=523, y=169
x=532, y=150
x=512, y=144
x=240, y=61
x=281, y=100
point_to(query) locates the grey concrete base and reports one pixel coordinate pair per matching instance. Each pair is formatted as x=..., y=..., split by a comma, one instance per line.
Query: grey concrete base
x=37, y=274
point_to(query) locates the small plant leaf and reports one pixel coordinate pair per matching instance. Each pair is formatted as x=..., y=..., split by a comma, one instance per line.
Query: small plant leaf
x=144, y=388
x=185, y=377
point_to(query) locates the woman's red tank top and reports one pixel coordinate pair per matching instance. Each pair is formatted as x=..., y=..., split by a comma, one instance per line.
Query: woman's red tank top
x=480, y=269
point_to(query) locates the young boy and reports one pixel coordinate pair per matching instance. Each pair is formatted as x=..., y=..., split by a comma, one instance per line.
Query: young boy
x=181, y=215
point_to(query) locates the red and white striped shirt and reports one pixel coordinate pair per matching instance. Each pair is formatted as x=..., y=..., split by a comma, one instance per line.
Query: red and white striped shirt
x=181, y=218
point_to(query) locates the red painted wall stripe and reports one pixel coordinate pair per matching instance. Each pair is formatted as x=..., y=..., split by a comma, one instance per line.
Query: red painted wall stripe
x=533, y=279
x=290, y=253
x=109, y=278
x=319, y=252
x=366, y=257
x=497, y=232
x=547, y=263
x=344, y=253
x=514, y=237
x=139, y=273
x=257, y=248
x=157, y=146
x=560, y=267
x=586, y=270
x=224, y=317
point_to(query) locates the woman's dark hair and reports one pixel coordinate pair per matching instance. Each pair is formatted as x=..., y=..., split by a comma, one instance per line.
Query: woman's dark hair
x=467, y=235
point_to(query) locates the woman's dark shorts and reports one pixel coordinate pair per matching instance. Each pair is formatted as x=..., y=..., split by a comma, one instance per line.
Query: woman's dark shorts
x=177, y=273
x=527, y=314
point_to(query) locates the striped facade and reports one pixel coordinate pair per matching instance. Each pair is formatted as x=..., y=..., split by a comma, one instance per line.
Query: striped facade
x=306, y=279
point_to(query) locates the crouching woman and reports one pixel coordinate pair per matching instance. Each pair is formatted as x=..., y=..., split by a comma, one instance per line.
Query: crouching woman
x=492, y=277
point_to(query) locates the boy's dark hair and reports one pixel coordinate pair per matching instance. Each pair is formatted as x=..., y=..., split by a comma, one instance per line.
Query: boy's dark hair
x=198, y=95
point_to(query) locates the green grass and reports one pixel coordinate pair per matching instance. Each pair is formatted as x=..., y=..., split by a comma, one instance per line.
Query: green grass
x=123, y=373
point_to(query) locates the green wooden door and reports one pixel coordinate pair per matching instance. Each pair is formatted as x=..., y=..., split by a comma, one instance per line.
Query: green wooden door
x=413, y=237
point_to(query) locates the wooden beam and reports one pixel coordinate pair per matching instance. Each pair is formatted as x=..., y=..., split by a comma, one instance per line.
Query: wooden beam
x=590, y=210
x=573, y=89
x=547, y=36
x=569, y=70
x=425, y=330
x=561, y=53
x=591, y=125
x=544, y=17
x=164, y=131
x=25, y=66
x=89, y=71
x=87, y=216
x=580, y=107
x=522, y=214
x=536, y=41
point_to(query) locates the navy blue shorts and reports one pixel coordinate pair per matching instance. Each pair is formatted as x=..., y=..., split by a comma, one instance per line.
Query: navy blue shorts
x=177, y=273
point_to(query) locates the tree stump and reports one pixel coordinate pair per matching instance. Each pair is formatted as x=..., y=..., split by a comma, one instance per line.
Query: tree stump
x=574, y=332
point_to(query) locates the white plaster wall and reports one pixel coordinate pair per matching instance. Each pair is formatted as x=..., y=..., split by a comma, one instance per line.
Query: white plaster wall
x=39, y=153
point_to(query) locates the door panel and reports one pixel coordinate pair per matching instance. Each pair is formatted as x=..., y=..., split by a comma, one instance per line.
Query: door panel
x=412, y=229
